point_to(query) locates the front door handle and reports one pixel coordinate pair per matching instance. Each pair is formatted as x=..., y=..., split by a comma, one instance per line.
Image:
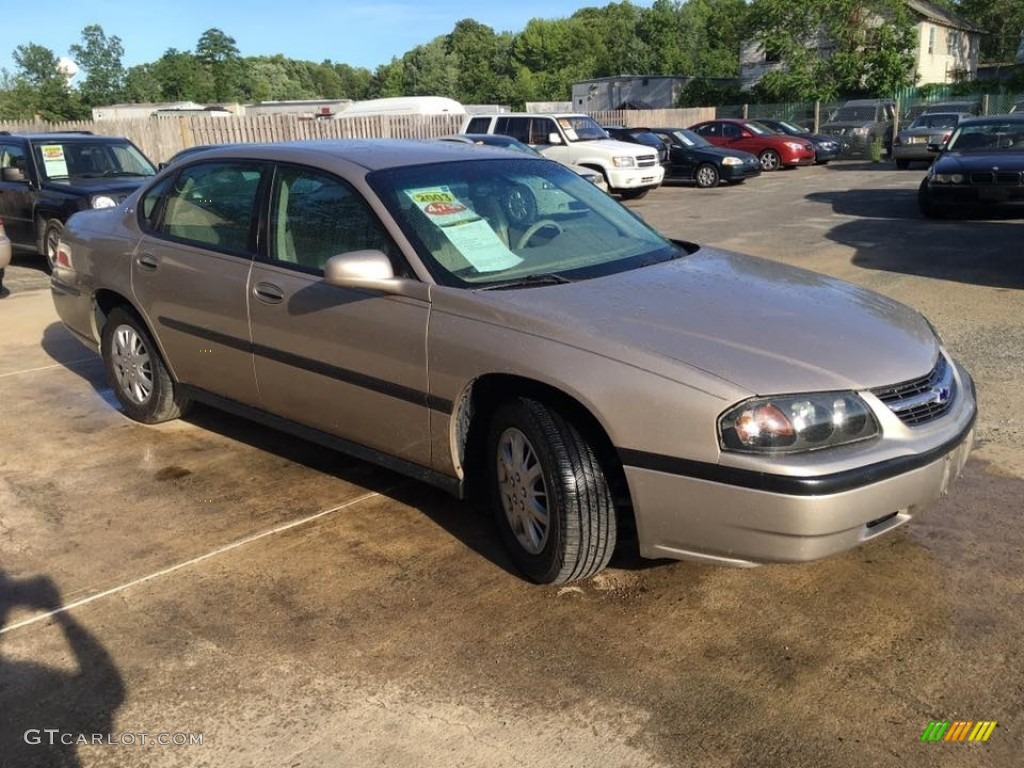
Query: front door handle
x=147, y=261
x=268, y=293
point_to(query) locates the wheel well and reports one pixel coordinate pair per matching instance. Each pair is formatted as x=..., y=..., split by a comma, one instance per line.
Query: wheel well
x=473, y=414
x=105, y=302
x=596, y=168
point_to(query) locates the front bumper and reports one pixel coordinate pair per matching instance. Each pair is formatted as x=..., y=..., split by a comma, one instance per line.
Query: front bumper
x=975, y=195
x=635, y=178
x=798, y=158
x=712, y=513
x=740, y=172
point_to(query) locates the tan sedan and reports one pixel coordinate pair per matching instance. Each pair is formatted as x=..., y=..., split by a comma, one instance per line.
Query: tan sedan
x=577, y=370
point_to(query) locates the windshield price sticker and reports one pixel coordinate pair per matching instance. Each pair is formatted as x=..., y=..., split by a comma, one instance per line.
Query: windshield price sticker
x=53, y=160
x=464, y=228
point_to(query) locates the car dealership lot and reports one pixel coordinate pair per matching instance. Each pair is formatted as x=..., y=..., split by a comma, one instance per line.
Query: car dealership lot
x=386, y=627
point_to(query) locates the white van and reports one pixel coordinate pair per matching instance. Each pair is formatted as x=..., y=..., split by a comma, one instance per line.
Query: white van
x=631, y=170
x=403, y=105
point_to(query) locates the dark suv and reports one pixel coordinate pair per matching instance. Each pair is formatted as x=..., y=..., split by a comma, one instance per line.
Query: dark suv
x=46, y=177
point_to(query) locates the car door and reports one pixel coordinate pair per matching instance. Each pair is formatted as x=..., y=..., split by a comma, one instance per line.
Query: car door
x=351, y=363
x=191, y=268
x=680, y=157
x=15, y=193
x=712, y=132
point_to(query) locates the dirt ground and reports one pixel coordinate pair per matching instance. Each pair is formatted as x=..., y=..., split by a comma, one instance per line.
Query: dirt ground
x=293, y=607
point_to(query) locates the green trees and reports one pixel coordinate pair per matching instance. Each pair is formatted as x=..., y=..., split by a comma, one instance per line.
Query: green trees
x=100, y=58
x=833, y=47
x=39, y=87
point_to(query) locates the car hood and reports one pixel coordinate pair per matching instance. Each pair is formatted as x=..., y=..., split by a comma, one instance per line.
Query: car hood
x=99, y=185
x=817, y=138
x=979, y=160
x=762, y=326
x=722, y=152
x=846, y=125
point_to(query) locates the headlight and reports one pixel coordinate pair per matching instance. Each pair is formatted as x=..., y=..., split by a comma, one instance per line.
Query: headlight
x=948, y=178
x=794, y=423
x=731, y=161
x=103, y=201
x=796, y=146
x=624, y=162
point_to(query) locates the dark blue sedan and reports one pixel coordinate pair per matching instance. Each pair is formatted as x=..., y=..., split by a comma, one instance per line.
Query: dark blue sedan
x=825, y=147
x=693, y=158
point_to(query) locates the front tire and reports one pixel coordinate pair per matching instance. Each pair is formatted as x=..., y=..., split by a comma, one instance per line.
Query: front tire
x=136, y=371
x=706, y=176
x=51, y=240
x=550, y=497
x=770, y=160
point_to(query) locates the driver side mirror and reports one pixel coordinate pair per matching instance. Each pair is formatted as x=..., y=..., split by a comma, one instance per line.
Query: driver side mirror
x=371, y=270
x=554, y=138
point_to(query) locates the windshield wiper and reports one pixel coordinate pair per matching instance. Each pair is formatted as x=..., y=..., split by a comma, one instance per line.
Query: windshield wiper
x=543, y=278
x=124, y=173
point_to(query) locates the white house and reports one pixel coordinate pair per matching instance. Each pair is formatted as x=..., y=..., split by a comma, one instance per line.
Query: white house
x=947, y=46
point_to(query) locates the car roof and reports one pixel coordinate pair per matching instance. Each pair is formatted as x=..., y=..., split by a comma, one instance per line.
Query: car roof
x=369, y=154
x=62, y=136
x=1014, y=118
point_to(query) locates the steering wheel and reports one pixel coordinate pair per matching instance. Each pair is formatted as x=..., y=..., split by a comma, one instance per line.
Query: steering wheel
x=536, y=227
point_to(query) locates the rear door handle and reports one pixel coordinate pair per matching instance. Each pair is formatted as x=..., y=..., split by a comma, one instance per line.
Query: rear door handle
x=268, y=293
x=147, y=261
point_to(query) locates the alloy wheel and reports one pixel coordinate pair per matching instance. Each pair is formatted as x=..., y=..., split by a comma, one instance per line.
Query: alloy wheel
x=523, y=492
x=132, y=366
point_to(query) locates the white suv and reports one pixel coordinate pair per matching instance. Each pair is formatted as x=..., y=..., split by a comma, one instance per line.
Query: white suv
x=631, y=170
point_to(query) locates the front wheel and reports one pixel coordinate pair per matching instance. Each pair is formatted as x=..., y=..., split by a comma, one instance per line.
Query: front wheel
x=549, y=493
x=706, y=176
x=51, y=242
x=141, y=381
x=770, y=160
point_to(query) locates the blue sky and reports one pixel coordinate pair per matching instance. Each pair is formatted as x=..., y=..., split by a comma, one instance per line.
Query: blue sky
x=357, y=32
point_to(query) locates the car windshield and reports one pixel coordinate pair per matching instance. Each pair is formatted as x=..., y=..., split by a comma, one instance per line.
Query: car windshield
x=988, y=137
x=935, y=121
x=648, y=138
x=582, y=128
x=64, y=160
x=789, y=128
x=854, y=114
x=688, y=138
x=760, y=130
x=516, y=222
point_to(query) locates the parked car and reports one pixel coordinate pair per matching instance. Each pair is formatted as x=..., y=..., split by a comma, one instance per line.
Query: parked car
x=45, y=177
x=861, y=122
x=826, y=148
x=971, y=107
x=640, y=136
x=371, y=296
x=507, y=142
x=693, y=158
x=911, y=143
x=5, y=254
x=629, y=170
x=774, y=151
x=527, y=201
x=980, y=168
x=188, y=152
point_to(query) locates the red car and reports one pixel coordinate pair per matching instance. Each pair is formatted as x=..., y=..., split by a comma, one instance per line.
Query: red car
x=774, y=150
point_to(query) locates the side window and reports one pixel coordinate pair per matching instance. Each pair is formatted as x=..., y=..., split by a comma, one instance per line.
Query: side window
x=730, y=131
x=516, y=127
x=479, y=125
x=540, y=129
x=149, y=209
x=213, y=204
x=13, y=157
x=314, y=216
x=706, y=130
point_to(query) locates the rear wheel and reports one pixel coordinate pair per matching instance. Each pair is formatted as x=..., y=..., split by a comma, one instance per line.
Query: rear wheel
x=550, y=497
x=706, y=176
x=770, y=160
x=137, y=373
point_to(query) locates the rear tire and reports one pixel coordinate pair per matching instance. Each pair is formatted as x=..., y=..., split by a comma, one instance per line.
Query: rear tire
x=136, y=371
x=550, y=496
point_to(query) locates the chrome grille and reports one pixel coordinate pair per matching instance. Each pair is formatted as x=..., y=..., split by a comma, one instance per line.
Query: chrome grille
x=646, y=161
x=922, y=400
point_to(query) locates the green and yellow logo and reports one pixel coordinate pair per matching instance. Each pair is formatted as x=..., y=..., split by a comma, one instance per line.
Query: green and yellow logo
x=958, y=730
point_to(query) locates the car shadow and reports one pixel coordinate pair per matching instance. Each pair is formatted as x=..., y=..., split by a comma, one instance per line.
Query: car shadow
x=44, y=710
x=889, y=234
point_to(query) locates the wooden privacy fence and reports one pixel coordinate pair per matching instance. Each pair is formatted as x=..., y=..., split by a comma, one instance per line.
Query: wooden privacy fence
x=161, y=137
